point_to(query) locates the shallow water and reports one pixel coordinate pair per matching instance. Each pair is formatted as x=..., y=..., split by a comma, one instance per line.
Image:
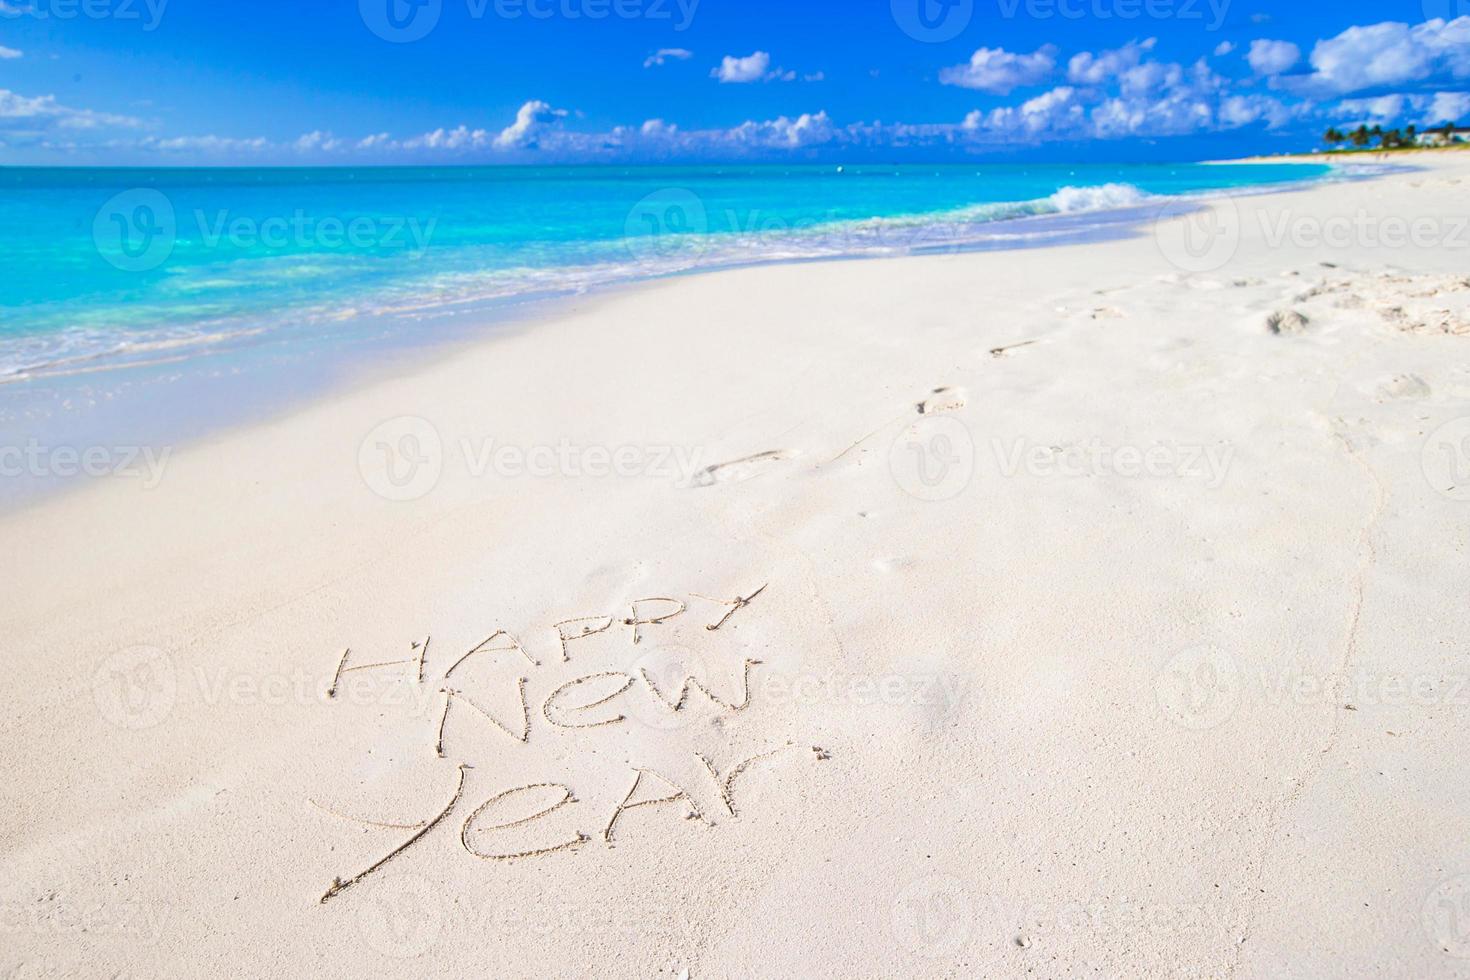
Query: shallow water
x=113, y=266
x=146, y=308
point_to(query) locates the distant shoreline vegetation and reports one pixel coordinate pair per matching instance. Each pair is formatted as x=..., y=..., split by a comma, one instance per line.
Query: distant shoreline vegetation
x=1408, y=138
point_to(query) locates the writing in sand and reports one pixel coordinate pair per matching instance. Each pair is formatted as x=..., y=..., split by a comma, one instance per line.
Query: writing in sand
x=590, y=701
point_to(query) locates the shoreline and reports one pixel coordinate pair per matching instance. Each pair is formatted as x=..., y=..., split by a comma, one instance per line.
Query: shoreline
x=848, y=233
x=354, y=360
x=1428, y=152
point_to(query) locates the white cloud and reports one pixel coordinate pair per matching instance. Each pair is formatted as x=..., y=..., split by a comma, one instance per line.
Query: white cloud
x=738, y=71
x=1173, y=115
x=805, y=130
x=783, y=133
x=1244, y=110
x=1151, y=76
x=658, y=58
x=1385, y=108
x=205, y=144
x=1134, y=75
x=43, y=111
x=1387, y=54
x=1151, y=99
x=1057, y=112
x=1398, y=109
x=8, y=54
x=1120, y=93
x=1224, y=48
x=1451, y=107
x=1000, y=72
x=1271, y=58
x=755, y=68
x=318, y=140
x=532, y=120
x=376, y=141
x=459, y=138
x=1098, y=69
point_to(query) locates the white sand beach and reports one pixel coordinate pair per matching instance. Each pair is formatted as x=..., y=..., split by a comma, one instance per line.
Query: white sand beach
x=1111, y=621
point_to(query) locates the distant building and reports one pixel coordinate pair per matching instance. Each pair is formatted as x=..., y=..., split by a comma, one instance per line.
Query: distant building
x=1437, y=137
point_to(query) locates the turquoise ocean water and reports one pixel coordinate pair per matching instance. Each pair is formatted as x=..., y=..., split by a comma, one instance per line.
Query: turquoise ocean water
x=143, y=308
x=112, y=268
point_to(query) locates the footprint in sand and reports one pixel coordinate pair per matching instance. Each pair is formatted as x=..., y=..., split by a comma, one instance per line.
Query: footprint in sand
x=1286, y=322
x=1415, y=304
x=1409, y=386
x=1108, y=313
x=999, y=352
x=942, y=400
x=740, y=470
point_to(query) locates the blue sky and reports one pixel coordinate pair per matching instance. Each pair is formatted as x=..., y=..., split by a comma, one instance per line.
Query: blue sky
x=522, y=81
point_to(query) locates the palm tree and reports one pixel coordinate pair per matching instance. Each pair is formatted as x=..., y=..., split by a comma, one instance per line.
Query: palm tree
x=1334, y=136
x=1361, y=136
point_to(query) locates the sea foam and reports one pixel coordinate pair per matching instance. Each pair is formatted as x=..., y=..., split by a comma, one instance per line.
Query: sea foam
x=1070, y=200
